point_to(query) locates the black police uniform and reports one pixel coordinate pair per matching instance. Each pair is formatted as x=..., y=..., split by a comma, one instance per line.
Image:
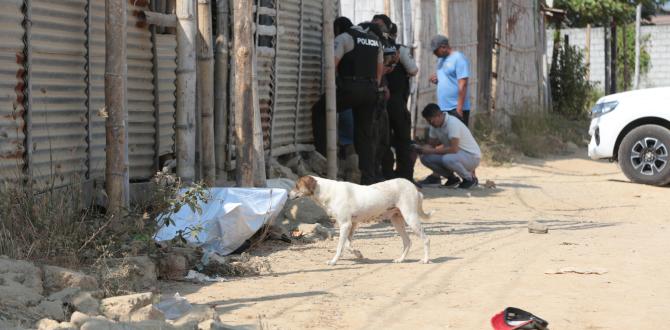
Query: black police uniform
x=357, y=90
x=400, y=122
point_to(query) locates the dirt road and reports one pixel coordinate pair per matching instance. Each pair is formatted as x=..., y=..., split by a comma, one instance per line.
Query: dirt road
x=484, y=259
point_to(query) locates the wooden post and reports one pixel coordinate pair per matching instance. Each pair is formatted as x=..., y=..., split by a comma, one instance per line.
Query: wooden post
x=206, y=90
x=387, y=7
x=587, y=57
x=329, y=77
x=444, y=18
x=186, y=80
x=608, y=62
x=486, y=12
x=259, y=151
x=243, y=94
x=613, y=58
x=638, y=19
x=221, y=88
x=117, y=184
x=626, y=75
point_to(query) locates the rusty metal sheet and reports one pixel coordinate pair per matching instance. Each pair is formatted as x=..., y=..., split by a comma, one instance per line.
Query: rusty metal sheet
x=167, y=64
x=141, y=116
x=11, y=84
x=310, y=84
x=287, y=71
x=59, y=111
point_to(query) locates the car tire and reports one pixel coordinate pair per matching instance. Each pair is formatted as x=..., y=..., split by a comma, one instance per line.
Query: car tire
x=644, y=156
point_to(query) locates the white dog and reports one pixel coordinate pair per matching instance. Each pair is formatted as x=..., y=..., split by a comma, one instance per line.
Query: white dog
x=351, y=204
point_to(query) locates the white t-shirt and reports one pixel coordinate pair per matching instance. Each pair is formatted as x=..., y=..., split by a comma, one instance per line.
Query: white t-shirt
x=454, y=128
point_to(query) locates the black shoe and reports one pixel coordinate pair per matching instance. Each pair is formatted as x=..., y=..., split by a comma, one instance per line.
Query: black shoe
x=467, y=184
x=452, y=182
x=431, y=179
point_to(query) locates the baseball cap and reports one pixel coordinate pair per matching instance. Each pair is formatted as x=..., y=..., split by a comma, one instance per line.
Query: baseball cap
x=438, y=41
x=517, y=319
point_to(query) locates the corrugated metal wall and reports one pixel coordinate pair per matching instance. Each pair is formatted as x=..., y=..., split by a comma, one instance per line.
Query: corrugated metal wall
x=167, y=64
x=141, y=116
x=59, y=111
x=310, y=77
x=97, y=88
x=11, y=78
x=287, y=71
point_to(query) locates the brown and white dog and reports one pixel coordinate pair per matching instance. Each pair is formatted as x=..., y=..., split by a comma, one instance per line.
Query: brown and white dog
x=351, y=204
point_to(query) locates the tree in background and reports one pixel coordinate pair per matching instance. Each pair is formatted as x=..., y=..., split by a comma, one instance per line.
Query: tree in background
x=626, y=54
x=570, y=90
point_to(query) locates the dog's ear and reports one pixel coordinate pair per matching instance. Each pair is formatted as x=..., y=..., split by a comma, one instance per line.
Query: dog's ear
x=307, y=184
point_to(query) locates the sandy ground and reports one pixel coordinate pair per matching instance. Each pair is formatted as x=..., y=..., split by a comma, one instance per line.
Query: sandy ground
x=484, y=259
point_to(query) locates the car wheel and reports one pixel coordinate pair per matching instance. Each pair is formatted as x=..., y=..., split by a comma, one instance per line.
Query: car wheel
x=644, y=156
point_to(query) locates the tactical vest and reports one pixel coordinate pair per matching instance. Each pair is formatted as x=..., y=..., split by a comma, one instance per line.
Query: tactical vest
x=360, y=62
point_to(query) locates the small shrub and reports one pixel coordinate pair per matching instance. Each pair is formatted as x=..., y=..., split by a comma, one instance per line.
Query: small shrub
x=570, y=90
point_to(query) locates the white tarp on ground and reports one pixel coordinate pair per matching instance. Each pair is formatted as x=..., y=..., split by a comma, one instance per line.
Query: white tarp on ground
x=228, y=218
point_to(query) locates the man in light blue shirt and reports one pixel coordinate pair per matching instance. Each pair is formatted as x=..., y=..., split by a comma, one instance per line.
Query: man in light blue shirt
x=451, y=77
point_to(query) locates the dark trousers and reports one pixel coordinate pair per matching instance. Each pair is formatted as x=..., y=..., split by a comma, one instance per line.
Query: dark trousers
x=382, y=144
x=361, y=97
x=466, y=116
x=400, y=123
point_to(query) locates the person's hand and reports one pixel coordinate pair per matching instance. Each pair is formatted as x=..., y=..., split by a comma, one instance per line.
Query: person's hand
x=433, y=78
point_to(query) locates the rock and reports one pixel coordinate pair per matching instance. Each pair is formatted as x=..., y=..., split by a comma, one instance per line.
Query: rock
x=102, y=324
x=134, y=274
x=58, y=278
x=172, y=266
x=51, y=309
x=152, y=325
x=82, y=301
x=15, y=294
x=85, y=303
x=198, y=313
x=78, y=318
x=64, y=295
x=571, y=147
x=146, y=313
x=314, y=231
x=212, y=325
x=67, y=326
x=317, y=163
x=46, y=324
x=535, y=227
x=117, y=307
x=20, y=272
x=283, y=183
x=277, y=170
x=192, y=255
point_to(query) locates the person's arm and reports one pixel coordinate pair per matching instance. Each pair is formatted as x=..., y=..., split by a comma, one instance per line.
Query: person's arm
x=462, y=74
x=452, y=148
x=380, y=65
x=462, y=93
x=343, y=43
x=405, y=58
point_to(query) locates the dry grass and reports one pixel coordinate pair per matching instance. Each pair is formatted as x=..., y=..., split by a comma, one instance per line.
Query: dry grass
x=532, y=134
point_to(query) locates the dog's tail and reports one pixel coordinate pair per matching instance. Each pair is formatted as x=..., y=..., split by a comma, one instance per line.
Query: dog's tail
x=419, y=208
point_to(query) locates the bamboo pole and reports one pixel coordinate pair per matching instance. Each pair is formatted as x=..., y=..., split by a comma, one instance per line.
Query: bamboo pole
x=259, y=152
x=116, y=79
x=221, y=88
x=206, y=90
x=331, y=114
x=444, y=15
x=243, y=94
x=486, y=13
x=186, y=89
x=158, y=19
x=638, y=19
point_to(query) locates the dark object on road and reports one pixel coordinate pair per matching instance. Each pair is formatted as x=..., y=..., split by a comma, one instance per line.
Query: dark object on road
x=514, y=318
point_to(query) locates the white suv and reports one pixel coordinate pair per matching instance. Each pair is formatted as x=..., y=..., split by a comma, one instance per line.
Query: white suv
x=633, y=128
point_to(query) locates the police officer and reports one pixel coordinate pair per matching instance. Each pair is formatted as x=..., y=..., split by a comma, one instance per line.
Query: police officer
x=400, y=120
x=359, y=62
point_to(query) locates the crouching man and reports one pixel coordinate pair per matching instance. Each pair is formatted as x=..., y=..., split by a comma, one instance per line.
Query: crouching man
x=451, y=148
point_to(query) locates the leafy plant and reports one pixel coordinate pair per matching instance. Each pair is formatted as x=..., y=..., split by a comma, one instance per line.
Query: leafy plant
x=570, y=90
